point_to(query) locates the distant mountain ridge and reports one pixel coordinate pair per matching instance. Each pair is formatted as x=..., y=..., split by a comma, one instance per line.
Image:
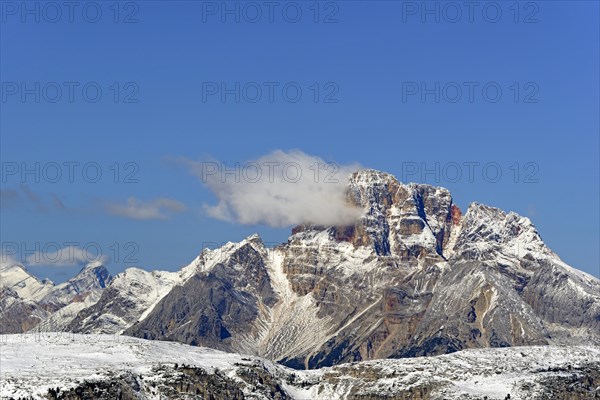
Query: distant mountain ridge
x=26, y=302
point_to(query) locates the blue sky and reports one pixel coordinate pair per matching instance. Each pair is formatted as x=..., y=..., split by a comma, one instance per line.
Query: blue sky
x=510, y=87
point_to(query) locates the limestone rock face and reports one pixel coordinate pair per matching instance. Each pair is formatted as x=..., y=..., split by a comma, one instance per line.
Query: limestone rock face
x=408, y=221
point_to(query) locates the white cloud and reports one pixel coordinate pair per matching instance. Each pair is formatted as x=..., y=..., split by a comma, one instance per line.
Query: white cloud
x=53, y=255
x=136, y=209
x=68, y=256
x=279, y=189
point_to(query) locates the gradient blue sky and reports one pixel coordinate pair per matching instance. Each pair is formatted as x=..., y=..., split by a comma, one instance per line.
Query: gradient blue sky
x=368, y=54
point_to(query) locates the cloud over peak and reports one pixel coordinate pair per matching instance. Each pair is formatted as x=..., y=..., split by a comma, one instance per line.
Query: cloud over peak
x=279, y=189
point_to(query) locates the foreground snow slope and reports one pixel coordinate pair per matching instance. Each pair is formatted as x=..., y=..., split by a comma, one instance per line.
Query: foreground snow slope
x=113, y=365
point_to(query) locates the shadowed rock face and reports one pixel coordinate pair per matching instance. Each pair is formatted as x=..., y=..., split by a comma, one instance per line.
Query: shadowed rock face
x=413, y=276
x=212, y=307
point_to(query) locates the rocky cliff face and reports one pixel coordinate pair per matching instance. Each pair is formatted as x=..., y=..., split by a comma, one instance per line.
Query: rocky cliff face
x=410, y=222
x=412, y=277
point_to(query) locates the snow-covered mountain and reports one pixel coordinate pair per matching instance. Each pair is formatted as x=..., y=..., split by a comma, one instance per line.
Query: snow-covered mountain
x=412, y=277
x=74, y=366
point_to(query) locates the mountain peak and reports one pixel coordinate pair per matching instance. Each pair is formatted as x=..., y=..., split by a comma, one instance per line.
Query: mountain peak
x=254, y=238
x=488, y=233
x=372, y=175
x=483, y=215
x=92, y=275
